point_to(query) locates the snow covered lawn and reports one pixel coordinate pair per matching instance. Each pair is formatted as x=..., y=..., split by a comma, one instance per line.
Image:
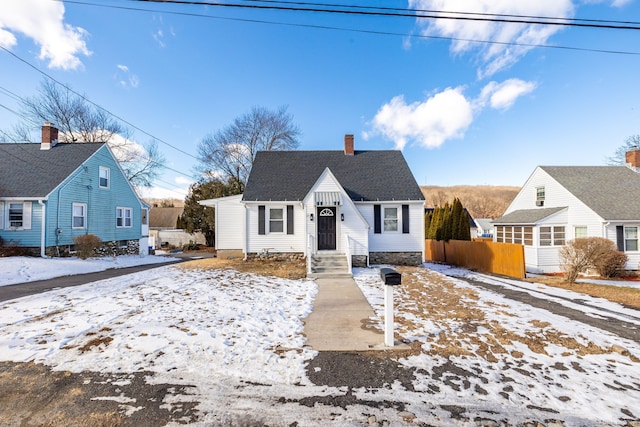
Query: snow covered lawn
x=27, y=269
x=236, y=339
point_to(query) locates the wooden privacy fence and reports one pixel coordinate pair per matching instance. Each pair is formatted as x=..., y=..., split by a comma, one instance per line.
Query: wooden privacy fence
x=489, y=257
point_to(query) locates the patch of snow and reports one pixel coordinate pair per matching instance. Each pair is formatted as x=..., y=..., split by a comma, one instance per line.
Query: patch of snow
x=15, y=270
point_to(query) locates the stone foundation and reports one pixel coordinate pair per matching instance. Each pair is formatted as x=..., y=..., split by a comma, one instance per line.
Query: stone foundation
x=358, y=260
x=396, y=258
x=277, y=256
x=116, y=248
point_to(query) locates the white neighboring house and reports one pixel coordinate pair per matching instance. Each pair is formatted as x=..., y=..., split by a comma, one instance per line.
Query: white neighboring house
x=561, y=203
x=364, y=206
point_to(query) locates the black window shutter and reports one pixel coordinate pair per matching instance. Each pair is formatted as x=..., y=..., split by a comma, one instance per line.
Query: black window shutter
x=261, y=220
x=405, y=219
x=289, y=219
x=620, y=237
x=377, y=223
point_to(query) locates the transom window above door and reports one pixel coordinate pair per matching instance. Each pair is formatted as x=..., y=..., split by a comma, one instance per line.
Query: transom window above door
x=326, y=212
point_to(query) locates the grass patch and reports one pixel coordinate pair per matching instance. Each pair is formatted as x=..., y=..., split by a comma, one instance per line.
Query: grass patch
x=263, y=267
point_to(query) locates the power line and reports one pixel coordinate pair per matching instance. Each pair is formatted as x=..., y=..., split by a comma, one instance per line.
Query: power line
x=96, y=105
x=410, y=13
x=355, y=30
x=444, y=11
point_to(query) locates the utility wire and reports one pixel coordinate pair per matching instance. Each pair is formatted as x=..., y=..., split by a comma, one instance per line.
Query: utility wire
x=96, y=105
x=441, y=11
x=354, y=30
x=409, y=14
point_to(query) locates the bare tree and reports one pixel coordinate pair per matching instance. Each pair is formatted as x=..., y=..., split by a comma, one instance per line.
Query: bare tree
x=80, y=121
x=631, y=143
x=229, y=152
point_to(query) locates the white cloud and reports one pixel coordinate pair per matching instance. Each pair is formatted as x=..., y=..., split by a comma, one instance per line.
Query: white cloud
x=493, y=57
x=502, y=96
x=43, y=21
x=183, y=181
x=445, y=115
x=125, y=78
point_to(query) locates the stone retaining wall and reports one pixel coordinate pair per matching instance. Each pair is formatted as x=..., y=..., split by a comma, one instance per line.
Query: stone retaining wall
x=396, y=258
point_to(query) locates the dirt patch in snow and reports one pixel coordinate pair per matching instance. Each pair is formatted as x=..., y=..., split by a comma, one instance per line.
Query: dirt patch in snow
x=627, y=296
x=264, y=267
x=463, y=326
x=34, y=395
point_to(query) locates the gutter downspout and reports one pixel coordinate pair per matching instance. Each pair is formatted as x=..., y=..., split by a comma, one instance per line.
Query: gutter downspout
x=245, y=239
x=43, y=231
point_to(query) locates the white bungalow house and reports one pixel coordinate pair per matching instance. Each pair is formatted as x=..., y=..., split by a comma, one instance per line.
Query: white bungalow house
x=357, y=206
x=561, y=203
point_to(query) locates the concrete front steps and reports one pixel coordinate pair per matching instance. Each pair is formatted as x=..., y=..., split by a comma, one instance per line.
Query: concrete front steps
x=329, y=266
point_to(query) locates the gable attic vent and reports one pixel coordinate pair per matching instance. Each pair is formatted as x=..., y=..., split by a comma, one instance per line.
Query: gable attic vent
x=348, y=145
x=49, y=136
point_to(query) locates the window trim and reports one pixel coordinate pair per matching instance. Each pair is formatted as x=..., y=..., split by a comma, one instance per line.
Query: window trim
x=84, y=216
x=575, y=231
x=9, y=220
x=108, y=172
x=25, y=215
x=398, y=227
x=627, y=239
x=280, y=220
x=553, y=236
x=122, y=216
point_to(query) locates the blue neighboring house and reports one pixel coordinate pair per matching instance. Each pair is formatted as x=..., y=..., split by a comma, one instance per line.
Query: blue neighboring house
x=51, y=192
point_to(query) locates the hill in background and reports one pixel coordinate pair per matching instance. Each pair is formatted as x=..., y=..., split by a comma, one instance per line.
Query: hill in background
x=481, y=201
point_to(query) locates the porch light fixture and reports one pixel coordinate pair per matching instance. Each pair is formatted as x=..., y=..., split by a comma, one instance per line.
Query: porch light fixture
x=311, y=217
x=341, y=217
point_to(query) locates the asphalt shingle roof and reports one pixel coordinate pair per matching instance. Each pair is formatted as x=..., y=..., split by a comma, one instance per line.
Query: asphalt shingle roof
x=613, y=192
x=365, y=176
x=526, y=216
x=27, y=171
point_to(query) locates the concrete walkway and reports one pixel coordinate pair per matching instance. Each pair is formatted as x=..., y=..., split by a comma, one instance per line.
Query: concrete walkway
x=340, y=319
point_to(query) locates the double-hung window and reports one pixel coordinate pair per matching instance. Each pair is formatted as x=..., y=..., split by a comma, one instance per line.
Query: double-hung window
x=79, y=217
x=124, y=217
x=552, y=236
x=16, y=215
x=104, y=177
x=580, y=232
x=390, y=219
x=631, y=239
x=276, y=220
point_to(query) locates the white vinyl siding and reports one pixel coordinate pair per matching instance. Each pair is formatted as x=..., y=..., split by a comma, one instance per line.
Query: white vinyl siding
x=230, y=223
x=396, y=242
x=280, y=242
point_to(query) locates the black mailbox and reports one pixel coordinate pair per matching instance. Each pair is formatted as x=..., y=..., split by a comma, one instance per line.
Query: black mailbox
x=390, y=277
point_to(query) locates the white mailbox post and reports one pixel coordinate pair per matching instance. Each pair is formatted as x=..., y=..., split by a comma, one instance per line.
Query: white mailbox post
x=390, y=278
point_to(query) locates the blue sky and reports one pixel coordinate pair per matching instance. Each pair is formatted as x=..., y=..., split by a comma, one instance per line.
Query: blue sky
x=463, y=113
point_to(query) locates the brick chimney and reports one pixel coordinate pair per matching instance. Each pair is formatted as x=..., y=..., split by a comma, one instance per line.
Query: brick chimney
x=632, y=158
x=49, y=136
x=348, y=144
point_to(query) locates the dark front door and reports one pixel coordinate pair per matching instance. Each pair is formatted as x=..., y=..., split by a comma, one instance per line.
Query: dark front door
x=326, y=228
